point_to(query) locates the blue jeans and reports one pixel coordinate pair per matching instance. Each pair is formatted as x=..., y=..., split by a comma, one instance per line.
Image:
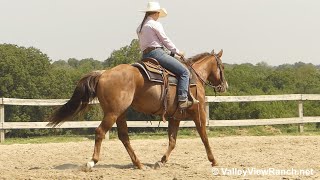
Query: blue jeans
x=176, y=67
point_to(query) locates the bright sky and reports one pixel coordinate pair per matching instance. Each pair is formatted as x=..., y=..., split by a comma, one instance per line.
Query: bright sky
x=273, y=31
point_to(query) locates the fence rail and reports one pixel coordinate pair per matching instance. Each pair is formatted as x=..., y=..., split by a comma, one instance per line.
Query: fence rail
x=209, y=99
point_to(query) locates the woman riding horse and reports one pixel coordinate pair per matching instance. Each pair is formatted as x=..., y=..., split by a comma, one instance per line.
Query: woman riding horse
x=152, y=39
x=125, y=86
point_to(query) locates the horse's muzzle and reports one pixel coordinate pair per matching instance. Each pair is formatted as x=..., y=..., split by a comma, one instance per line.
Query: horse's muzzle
x=222, y=87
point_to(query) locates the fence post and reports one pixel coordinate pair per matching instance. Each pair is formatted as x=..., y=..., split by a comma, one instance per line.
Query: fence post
x=2, y=132
x=207, y=112
x=300, y=126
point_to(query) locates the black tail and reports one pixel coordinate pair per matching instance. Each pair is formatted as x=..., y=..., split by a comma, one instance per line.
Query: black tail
x=82, y=95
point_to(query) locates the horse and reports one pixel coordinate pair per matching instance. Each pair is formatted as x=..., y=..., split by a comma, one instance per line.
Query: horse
x=125, y=85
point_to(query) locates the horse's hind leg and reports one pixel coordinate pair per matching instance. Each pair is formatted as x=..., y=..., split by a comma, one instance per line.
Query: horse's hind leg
x=172, y=135
x=100, y=133
x=124, y=137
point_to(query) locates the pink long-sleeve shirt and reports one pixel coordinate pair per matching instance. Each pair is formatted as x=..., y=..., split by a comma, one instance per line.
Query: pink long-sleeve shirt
x=153, y=35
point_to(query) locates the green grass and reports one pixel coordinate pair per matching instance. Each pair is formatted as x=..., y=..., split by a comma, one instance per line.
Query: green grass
x=160, y=133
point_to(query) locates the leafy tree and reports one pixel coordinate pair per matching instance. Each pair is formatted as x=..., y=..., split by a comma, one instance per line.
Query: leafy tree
x=21, y=70
x=307, y=79
x=125, y=55
x=61, y=64
x=22, y=73
x=73, y=62
x=88, y=65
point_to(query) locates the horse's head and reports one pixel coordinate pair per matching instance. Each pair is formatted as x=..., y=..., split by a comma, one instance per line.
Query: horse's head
x=209, y=68
x=216, y=77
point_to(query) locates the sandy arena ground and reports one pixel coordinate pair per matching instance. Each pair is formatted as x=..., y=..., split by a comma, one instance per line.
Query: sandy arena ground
x=188, y=160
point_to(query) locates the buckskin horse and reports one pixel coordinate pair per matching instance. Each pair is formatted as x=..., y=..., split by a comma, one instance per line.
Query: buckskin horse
x=126, y=85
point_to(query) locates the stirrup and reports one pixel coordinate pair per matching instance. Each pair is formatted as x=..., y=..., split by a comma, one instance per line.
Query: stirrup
x=192, y=98
x=195, y=101
x=185, y=104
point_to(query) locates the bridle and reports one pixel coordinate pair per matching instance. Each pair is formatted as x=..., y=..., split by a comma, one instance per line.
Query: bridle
x=208, y=83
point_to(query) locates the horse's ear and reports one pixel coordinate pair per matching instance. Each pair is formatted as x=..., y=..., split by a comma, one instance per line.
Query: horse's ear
x=220, y=53
x=212, y=52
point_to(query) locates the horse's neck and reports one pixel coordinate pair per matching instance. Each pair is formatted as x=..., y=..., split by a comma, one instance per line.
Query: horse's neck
x=203, y=67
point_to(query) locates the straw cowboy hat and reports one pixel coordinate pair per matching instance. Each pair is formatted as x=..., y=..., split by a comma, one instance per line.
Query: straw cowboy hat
x=155, y=7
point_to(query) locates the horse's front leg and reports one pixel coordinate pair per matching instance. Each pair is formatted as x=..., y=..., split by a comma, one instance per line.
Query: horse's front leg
x=172, y=135
x=200, y=122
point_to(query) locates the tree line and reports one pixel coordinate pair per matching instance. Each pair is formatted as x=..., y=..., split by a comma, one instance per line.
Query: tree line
x=26, y=72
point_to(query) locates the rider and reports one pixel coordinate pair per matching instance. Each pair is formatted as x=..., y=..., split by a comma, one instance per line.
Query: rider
x=152, y=39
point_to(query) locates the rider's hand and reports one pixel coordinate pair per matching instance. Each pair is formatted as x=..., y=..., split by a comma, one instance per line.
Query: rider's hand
x=181, y=54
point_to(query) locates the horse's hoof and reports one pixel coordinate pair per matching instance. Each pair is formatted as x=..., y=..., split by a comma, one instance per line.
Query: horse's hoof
x=158, y=165
x=88, y=167
x=214, y=163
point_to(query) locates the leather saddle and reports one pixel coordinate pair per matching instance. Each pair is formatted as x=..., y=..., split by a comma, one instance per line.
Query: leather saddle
x=156, y=73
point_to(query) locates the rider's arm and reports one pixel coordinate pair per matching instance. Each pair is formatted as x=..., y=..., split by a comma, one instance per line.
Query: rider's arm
x=164, y=39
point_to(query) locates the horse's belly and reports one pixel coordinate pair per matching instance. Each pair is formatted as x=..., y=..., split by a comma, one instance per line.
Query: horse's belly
x=147, y=99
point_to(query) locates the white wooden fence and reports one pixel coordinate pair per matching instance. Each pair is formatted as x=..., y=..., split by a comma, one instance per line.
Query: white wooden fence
x=209, y=99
